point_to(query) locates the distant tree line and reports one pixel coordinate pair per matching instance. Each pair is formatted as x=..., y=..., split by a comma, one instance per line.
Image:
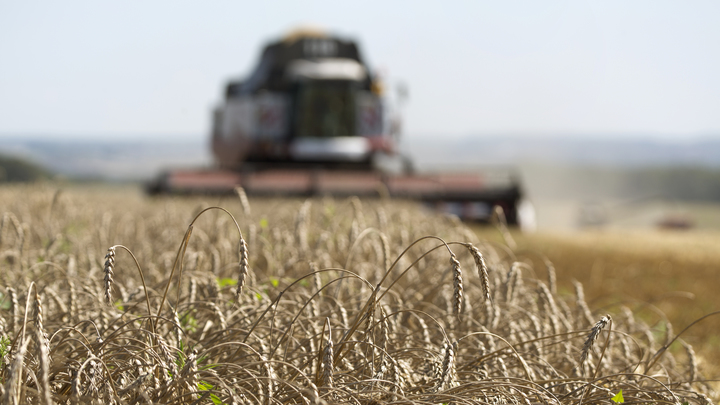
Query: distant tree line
x=14, y=169
x=681, y=183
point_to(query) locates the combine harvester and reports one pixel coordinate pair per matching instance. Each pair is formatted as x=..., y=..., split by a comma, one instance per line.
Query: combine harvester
x=311, y=120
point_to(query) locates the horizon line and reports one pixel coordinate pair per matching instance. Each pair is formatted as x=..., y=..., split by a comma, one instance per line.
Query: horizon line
x=628, y=136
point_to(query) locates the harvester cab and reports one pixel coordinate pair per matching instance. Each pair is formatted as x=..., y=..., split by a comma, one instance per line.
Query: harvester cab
x=310, y=100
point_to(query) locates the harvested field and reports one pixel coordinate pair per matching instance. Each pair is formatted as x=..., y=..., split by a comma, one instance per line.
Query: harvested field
x=108, y=297
x=663, y=276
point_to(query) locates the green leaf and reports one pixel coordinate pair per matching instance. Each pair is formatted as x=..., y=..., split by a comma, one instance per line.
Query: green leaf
x=204, y=386
x=207, y=367
x=226, y=281
x=180, y=361
x=274, y=281
x=4, y=348
x=330, y=210
x=263, y=223
x=618, y=398
x=189, y=322
x=118, y=305
x=4, y=304
x=258, y=296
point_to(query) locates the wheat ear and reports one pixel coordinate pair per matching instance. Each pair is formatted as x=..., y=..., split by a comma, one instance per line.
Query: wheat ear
x=692, y=361
x=243, y=200
x=190, y=371
x=457, y=285
x=244, y=268
x=327, y=360
x=109, y=266
x=580, y=301
x=269, y=371
x=448, y=376
x=592, y=337
x=498, y=217
x=552, y=276
x=482, y=270
x=512, y=282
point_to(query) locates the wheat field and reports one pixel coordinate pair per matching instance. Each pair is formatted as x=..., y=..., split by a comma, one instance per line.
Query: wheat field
x=110, y=297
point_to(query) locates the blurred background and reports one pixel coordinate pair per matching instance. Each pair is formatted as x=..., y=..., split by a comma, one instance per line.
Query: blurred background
x=608, y=111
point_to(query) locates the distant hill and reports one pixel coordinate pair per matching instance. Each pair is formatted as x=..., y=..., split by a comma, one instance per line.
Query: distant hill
x=110, y=160
x=610, y=151
x=15, y=169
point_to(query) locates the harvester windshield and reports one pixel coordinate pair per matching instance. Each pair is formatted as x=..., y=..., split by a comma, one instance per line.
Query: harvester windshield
x=325, y=109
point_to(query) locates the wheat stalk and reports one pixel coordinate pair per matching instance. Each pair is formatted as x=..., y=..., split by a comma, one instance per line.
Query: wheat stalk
x=192, y=290
x=41, y=336
x=4, y=220
x=218, y=314
x=14, y=310
x=385, y=251
x=301, y=222
x=44, y=372
x=358, y=212
x=56, y=299
x=14, y=378
x=548, y=306
x=425, y=333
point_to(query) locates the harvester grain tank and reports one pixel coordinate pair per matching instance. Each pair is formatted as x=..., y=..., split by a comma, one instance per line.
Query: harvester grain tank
x=311, y=119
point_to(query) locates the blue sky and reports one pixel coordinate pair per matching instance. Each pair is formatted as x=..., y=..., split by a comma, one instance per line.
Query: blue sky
x=155, y=68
